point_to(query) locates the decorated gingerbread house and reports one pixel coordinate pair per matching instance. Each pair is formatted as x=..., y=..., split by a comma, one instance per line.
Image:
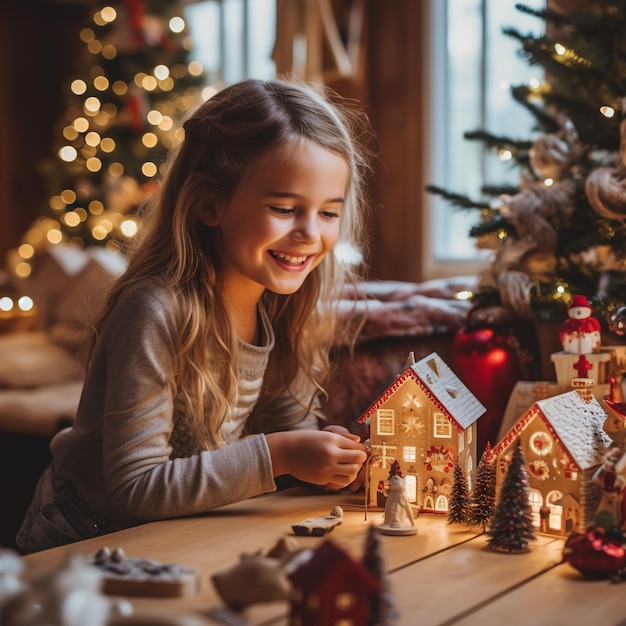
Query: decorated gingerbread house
x=426, y=420
x=563, y=441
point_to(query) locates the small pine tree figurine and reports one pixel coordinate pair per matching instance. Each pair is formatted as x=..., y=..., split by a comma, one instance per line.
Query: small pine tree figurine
x=511, y=527
x=483, y=497
x=383, y=609
x=459, y=498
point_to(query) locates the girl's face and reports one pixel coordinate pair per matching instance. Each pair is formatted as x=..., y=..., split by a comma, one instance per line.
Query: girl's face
x=282, y=220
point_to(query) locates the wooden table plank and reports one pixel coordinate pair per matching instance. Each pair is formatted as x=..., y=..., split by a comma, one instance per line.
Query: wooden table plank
x=560, y=597
x=442, y=588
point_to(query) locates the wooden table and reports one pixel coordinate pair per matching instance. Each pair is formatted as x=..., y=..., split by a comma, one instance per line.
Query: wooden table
x=443, y=575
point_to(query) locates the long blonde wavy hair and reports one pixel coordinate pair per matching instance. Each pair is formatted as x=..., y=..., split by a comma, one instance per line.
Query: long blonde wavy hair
x=225, y=136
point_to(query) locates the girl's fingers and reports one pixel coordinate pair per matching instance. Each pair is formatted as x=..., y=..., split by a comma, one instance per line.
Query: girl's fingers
x=352, y=446
x=347, y=472
x=354, y=457
x=351, y=436
x=343, y=432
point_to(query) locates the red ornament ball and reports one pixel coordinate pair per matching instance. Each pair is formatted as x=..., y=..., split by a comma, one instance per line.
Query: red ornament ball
x=595, y=553
x=490, y=354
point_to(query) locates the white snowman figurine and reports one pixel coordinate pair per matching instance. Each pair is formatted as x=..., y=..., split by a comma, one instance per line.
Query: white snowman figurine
x=580, y=333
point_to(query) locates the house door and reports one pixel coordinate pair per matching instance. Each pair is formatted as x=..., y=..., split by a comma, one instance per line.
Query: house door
x=410, y=488
x=536, y=505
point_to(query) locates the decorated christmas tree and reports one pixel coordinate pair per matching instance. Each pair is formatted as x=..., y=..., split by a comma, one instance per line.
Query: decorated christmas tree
x=511, y=527
x=562, y=230
x=459, y=498
x=483, y=496
x=123, y=114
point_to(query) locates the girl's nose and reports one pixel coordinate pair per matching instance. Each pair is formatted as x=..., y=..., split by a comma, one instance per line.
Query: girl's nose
x=306, y=229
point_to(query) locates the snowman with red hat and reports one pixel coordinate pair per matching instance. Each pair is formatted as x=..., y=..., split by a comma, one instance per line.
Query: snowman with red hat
x=580, y=333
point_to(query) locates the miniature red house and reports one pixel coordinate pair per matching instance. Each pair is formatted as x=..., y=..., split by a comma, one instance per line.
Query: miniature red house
x=426, y=420
x=563, y=442
x=331, y=588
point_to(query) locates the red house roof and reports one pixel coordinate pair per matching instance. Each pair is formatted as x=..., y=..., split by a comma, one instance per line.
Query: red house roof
x=332, y=588
x=333, y=568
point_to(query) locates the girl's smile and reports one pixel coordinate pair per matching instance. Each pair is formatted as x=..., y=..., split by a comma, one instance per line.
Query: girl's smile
x=289, y=259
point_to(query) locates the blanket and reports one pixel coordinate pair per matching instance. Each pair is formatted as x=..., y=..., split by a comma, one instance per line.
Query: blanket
x=402, y=309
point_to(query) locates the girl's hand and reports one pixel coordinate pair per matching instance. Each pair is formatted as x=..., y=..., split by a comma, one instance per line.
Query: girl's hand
x=358, y=482
x=321, y=457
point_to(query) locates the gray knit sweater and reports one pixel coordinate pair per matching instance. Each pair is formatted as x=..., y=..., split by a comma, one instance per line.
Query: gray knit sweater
x=130, y=456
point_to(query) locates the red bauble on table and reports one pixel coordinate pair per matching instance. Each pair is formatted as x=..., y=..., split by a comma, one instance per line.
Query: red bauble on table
x=595, y=553
x=490, y=355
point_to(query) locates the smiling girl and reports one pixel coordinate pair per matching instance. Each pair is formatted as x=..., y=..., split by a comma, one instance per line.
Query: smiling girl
x=207, y=365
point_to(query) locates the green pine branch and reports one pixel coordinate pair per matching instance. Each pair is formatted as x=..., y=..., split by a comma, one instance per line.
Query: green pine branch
x=546, y=121
x=492, y=225
x=457, y=200
x=497, y=141
x=499, y=190
x=583, y=79
x=547, y=15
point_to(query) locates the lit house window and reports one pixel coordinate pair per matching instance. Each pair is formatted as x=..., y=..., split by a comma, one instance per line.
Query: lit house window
x=385, y=421
x=541, y=443
x=441, y=504
x=555, y=520
x=410, y=487
x=410, y=454
x=344, y=601
x=536, y=502
x=443, y=428
x=470, y=473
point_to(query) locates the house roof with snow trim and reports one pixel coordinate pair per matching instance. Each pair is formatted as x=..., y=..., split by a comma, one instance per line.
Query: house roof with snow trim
x=577, y=424
x=442, y=386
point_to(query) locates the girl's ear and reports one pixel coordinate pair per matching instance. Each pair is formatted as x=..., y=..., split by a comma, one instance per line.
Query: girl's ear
x=210, y=215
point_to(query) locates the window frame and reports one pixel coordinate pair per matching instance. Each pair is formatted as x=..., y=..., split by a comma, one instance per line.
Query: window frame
x=440, y=218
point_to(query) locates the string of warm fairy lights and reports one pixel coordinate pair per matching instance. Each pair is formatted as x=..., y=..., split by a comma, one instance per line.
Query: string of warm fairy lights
x=90, y=149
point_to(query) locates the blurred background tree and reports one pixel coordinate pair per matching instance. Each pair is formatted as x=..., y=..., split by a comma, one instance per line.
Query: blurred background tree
x=124, y=112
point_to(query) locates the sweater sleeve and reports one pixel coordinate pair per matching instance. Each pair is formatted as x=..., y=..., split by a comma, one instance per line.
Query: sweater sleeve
x=142, y=482
x=298, y=408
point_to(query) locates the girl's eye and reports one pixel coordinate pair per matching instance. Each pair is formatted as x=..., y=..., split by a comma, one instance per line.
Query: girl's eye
x=281, y=210
x=331, y=215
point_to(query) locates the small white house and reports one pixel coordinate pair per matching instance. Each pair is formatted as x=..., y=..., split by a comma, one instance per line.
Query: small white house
x=426, y=420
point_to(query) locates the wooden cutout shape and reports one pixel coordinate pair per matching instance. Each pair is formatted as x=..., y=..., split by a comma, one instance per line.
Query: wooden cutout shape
x=125, y=576
x=319, y=526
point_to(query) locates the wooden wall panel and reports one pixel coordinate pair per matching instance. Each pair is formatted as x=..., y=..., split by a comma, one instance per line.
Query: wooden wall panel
x=39, y=49
x=397, y=105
